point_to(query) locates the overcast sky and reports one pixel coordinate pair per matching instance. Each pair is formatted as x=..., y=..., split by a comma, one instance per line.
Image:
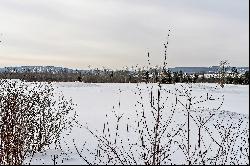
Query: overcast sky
x=118, y=33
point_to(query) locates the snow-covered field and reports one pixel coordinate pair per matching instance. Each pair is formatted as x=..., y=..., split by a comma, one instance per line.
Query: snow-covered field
x=99, y=103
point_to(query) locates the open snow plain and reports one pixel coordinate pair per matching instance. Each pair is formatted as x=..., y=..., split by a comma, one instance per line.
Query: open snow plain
x=220, y=114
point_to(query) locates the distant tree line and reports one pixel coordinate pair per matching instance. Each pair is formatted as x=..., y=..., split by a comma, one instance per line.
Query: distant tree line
x=152, y=75
x=41, y=77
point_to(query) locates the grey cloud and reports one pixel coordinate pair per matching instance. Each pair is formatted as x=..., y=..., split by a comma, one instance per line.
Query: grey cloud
x=116, y=33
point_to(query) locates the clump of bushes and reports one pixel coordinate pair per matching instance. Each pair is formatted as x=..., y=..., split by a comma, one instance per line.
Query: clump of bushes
x=32, y=116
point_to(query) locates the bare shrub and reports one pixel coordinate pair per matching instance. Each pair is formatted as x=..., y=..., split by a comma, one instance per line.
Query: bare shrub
x=145, y=133
x=170, y=124
x=32, y=116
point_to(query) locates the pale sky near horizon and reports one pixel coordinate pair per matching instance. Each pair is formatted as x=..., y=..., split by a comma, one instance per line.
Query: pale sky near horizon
x=118, y=33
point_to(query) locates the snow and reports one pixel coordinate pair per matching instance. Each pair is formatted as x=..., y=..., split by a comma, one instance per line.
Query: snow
x=95, y=101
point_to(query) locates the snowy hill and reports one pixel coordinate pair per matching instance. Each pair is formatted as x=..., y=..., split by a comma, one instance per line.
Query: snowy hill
x=38, y=69
x=53, y=69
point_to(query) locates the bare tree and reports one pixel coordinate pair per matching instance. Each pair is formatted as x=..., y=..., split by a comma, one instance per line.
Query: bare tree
x=222, y=72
